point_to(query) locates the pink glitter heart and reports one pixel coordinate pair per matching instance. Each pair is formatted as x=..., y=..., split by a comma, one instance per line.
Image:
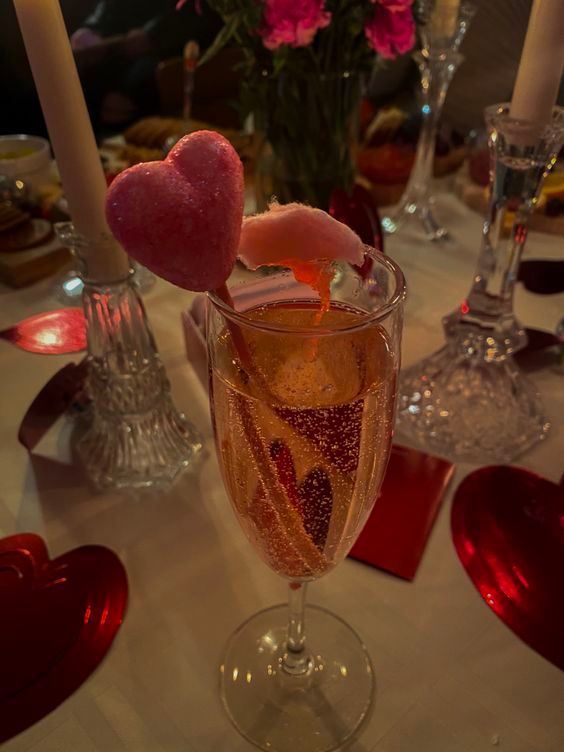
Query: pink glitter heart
x=182, y=217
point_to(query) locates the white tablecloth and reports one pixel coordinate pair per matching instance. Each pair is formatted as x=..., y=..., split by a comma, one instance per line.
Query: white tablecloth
x=451, y=676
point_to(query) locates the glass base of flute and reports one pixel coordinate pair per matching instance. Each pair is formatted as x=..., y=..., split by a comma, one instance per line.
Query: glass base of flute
x=303, y=410
x=470, y=400
x=324, y=697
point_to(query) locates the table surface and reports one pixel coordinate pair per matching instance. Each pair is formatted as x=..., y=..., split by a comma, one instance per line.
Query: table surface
x=451, y=677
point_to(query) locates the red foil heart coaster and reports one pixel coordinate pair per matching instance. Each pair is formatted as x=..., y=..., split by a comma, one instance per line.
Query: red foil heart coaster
x=508, y=531
x=50, y=333
x=59, y=619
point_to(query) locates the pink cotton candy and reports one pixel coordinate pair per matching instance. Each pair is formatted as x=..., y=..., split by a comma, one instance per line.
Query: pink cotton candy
x=294, y=233
x=181, y=218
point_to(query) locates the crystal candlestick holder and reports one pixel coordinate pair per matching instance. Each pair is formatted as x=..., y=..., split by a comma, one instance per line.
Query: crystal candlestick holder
x=469, y=400
x=441, y=30
x=133, y=437
x=69, y=286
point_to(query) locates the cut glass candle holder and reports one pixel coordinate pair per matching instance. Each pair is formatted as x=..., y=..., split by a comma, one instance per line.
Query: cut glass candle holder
x=134, y=436
x=470, y=400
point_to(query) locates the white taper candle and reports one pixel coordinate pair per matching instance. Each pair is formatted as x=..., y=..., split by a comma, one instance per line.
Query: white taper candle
x=444, y=17
x=70, y=130
x=540, y=69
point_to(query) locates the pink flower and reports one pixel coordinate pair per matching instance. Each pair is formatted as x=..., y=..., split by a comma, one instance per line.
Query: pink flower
x=197, y=5
x=393, y=5
x=390, y=31
x=292, y=22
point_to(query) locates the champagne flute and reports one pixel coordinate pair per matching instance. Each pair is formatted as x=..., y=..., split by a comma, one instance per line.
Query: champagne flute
x=303, y=412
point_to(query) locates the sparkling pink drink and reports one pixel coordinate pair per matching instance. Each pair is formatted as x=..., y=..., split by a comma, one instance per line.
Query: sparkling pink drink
x=304, y=447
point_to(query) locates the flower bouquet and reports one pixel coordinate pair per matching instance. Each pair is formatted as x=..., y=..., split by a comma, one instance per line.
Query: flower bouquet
x=304, y=62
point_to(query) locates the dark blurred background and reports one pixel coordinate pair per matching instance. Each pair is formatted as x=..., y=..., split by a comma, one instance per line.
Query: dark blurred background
x=133, y=69
x=19, y=107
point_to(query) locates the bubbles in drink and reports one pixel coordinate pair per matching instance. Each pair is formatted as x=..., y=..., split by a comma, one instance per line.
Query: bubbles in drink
x=303, y=448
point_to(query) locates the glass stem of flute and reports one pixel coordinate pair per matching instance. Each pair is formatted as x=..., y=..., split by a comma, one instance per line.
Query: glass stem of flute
x=436, y=72
x=296, y=660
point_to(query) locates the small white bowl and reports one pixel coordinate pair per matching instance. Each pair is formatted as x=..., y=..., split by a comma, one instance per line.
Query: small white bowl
x=26, y=158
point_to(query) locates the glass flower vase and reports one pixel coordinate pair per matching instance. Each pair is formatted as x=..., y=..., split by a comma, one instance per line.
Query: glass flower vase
x=469, y=400
x=307, y=128
x=131, y=436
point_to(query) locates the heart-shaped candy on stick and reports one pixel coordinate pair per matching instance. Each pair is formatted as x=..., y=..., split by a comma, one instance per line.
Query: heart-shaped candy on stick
x=181, y=218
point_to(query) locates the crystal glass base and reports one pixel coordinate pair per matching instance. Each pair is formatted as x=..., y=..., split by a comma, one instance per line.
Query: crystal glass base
x=134, y=436
x=130, y=435
x=417, y=214
x=136, y=451
x=278, y=712
x=416, y=207
x=469, y=400
x=470, y=409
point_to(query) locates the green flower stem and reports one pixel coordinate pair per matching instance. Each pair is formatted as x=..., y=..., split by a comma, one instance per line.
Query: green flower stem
x=310, y=128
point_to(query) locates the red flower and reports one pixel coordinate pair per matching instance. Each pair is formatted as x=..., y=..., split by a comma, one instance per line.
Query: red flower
x=292, y=22
x=394, y=5
x=391, y=30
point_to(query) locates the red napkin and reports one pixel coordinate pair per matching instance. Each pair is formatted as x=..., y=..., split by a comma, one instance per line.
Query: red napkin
x=55, y=397
x=396, y=533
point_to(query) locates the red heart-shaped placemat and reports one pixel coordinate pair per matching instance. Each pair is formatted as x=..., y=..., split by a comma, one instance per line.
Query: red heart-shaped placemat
x=508, y=531
x=61, y=391
x=58, y=620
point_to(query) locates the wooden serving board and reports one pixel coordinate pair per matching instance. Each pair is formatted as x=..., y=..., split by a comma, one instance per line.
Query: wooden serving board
x=25, y=267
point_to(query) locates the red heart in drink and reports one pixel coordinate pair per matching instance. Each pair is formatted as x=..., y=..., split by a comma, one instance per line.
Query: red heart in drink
x=508, y=531
x=316, y=497
x=58, y=621
x=312, y=498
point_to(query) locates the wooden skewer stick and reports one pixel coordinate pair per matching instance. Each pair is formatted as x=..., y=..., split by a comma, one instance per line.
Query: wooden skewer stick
x=239, y=341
